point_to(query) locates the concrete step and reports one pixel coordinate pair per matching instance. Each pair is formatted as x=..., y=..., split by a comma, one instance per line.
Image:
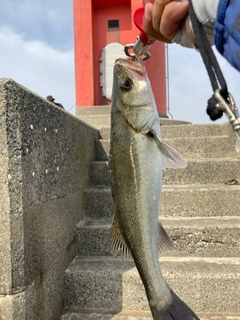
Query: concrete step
x=196, y=200
x=196, y=130
x=184, y=130
x=103, y=119
x=176, y=200
x=96, y=121
x=201, y=237
x=198, y=171
x=196, y=147
x=99, y=174
x=133, y=315
x=93, y=110
x=98, y=202
x=207, y=285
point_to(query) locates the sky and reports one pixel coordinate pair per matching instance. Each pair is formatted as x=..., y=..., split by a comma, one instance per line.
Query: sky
x=37, y=51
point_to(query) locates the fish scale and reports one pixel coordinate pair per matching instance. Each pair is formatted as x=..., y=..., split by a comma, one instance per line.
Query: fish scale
x=136, y=159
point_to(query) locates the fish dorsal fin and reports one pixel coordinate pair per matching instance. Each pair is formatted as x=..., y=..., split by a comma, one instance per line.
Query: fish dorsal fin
x=165, y=243
x=117, y=242
x=170, y=157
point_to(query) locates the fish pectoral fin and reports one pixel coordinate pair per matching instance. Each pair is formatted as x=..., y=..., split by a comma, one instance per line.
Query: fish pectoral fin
x=117, y=242
x=170, y=157
x=165, y=243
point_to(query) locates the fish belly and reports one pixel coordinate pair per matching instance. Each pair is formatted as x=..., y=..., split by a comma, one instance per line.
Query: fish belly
x=136, y=176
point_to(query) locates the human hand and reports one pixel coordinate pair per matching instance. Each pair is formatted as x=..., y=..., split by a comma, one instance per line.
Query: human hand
x=163, y=18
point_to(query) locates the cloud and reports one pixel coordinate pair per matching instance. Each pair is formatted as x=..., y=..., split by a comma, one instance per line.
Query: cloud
x=38, y=66
x=47, y=21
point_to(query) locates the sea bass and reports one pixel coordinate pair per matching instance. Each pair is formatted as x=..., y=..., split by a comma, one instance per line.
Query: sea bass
x=137, y=157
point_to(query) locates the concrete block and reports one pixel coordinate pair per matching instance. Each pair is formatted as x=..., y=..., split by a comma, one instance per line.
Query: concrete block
x=104, y=132
x=169, y=130
x=53, y=284
x=204, y=237
x=128, y=315
x=203, y=171
x=100, y=173
x=93, y=237
x=45, y=159
x=43, y=298
x=102, y=150
x=205, y=284
x=200, y=200
x=196, y=130
x=27, y=304
x=108, y=316
x=199, y=237
x=94, y=111
x=203, y=147
x=96, y=122
x=98, y=202
x=49, y=230
x=196, y=147
x=176, y=200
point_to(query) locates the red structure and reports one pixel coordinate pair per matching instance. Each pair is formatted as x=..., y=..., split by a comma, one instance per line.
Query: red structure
x=93, y=31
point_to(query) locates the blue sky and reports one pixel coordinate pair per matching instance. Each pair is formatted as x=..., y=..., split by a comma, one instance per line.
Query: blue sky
x=37, y=51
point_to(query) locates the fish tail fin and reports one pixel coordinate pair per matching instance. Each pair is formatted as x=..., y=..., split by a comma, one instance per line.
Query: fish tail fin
x=177, y=310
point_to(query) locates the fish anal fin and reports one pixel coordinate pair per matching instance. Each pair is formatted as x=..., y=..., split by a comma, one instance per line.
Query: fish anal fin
x=165, y=243
x=118, y=245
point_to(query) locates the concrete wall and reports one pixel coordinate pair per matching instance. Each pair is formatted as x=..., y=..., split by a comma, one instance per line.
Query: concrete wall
x=45, y=154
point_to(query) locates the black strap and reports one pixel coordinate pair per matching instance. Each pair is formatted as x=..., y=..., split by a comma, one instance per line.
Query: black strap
x=213, y=69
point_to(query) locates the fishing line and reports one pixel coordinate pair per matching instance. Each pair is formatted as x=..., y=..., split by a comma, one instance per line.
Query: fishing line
x=213, y=69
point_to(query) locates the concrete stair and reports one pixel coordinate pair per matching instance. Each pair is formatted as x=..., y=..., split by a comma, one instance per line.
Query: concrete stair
x=192, y=237
x=200, y=211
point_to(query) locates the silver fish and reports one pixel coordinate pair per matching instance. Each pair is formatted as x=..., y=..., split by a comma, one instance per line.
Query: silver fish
x=137, y=157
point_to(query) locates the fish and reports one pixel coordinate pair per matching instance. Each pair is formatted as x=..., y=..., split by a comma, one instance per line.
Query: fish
x=137, y=157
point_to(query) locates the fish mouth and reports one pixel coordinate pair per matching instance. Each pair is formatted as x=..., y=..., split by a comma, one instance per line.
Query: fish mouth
x=135, y=65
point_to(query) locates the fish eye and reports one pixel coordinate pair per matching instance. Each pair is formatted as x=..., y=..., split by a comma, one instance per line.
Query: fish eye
x=126, y=84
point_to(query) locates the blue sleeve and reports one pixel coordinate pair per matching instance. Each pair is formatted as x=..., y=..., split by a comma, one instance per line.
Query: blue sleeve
x=227, y=31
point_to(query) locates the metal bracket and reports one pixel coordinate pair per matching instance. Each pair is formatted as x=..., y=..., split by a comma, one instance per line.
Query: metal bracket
x=139, y=49
x=231, y=111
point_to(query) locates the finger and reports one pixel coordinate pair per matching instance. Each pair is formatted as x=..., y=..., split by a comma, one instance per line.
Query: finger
x=172, y=17
x=148, y=27
x=157, y=11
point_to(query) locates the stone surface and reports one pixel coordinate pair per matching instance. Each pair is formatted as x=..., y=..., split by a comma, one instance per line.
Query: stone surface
x=188, y=147
x=199, y=208
x=176, y=200
x=131, y=315
x=205, y=284
x=200, y=200
x=199, y=237
x=45, y=159
x=202, y=171
x=98, y=202
x=185, y=130
x=93, y=237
